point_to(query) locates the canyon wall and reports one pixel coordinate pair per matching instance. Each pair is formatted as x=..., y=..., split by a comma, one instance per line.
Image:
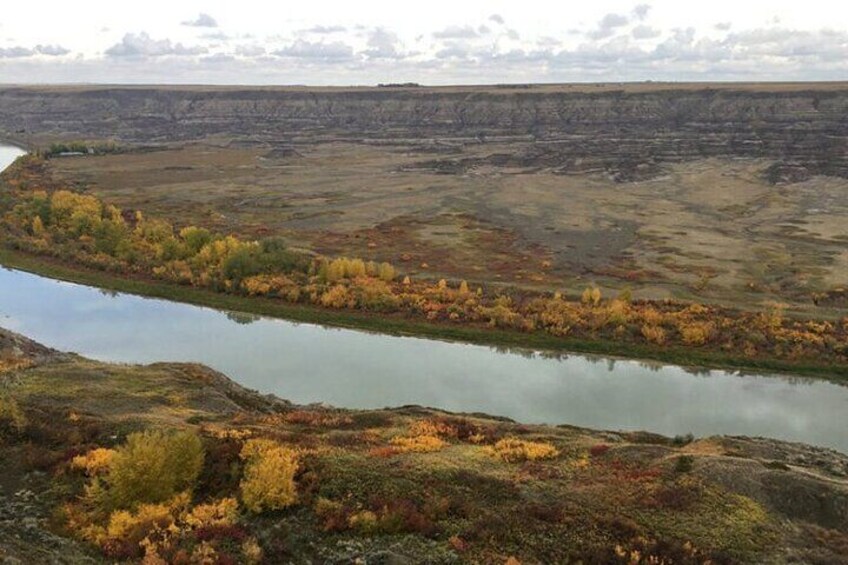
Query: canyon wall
x=805, y=126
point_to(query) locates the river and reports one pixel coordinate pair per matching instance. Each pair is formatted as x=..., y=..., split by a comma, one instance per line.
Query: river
x=308, y=363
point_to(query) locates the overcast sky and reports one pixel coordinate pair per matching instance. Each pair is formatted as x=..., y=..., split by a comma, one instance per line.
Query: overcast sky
x=322, y=42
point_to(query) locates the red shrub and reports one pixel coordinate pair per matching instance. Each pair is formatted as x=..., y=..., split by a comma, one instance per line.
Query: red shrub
x=598, y=450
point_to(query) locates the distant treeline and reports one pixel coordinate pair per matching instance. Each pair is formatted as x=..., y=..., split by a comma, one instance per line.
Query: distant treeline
x=398, y=85
x=74, y=147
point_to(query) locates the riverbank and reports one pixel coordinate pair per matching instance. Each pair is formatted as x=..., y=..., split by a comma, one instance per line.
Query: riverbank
x=77, y=233
x=409, y=485
x=393, y=325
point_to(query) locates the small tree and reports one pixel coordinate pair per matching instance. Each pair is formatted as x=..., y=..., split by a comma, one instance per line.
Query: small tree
x=387, y=272
x=38, y=227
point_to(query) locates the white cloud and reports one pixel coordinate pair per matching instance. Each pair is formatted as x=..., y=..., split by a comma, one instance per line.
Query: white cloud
x=250, y=50
x=456, y=32
x=20, y=52
x=202, y=20
x=142, y=45
x=342, y=43
x=383, y=44
x=323, y=30
x=640, y=11
x=320, y=51
x=51, y=50
x=15, y=52
x=645, y=32
x=607, y=26
x=216, y=36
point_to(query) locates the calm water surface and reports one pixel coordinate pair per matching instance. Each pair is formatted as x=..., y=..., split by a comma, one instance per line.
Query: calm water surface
x=307, y=363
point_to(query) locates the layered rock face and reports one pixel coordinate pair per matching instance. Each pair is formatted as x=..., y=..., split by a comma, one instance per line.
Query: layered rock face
x=803, y=126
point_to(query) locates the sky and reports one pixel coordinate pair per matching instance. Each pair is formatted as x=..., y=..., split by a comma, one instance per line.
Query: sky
x=336, y=42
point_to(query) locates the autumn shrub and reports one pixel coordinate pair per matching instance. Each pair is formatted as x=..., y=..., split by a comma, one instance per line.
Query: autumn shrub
x=644, y=549
x=513, y=450
x=365, y=521
x=383, y=452
x=170, y=531
x=654, y=334
x=313, y=418
x=195, y=238
x=381, y=516
x=557, y=316
x=651, y=316
x=375, y=295
x=223, y=512
x=386, y=272
x=338, y=297
x=591, y=296
x=418, y=444
x=13, y=422
x=343, y=268
x=268, y=482
x=279, y=286
x=616, y=313
x=598, y=450
x=95, y=462
x=501, y=314
x=75, y=213
x=177, y=271
x=432, y=427
x=400, y=515
x=696, y=333
x=134, y=526
x=153, y=466
x=333, y=515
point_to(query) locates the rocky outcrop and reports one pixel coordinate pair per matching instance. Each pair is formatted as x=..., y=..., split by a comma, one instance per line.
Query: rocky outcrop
x=803, y=126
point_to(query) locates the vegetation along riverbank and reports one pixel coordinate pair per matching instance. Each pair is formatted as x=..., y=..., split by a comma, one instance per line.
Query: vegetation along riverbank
x=64, y=231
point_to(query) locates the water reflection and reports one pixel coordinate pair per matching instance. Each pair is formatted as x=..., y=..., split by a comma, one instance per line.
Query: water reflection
x=308, y=363
x=242, y=317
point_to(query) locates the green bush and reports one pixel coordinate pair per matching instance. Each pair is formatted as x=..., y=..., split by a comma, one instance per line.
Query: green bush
x=684, y=464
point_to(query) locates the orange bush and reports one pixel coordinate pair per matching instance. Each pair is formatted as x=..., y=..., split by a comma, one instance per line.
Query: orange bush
x=418, y=444
x=514, y=450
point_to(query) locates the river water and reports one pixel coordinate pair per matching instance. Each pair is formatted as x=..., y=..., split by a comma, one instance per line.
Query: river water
x=307, y=363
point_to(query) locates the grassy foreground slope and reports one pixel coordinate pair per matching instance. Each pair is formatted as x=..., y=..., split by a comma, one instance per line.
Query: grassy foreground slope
x=176, y=463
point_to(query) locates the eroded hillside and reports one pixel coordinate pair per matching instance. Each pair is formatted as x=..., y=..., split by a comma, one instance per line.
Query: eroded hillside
x=574, y=127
